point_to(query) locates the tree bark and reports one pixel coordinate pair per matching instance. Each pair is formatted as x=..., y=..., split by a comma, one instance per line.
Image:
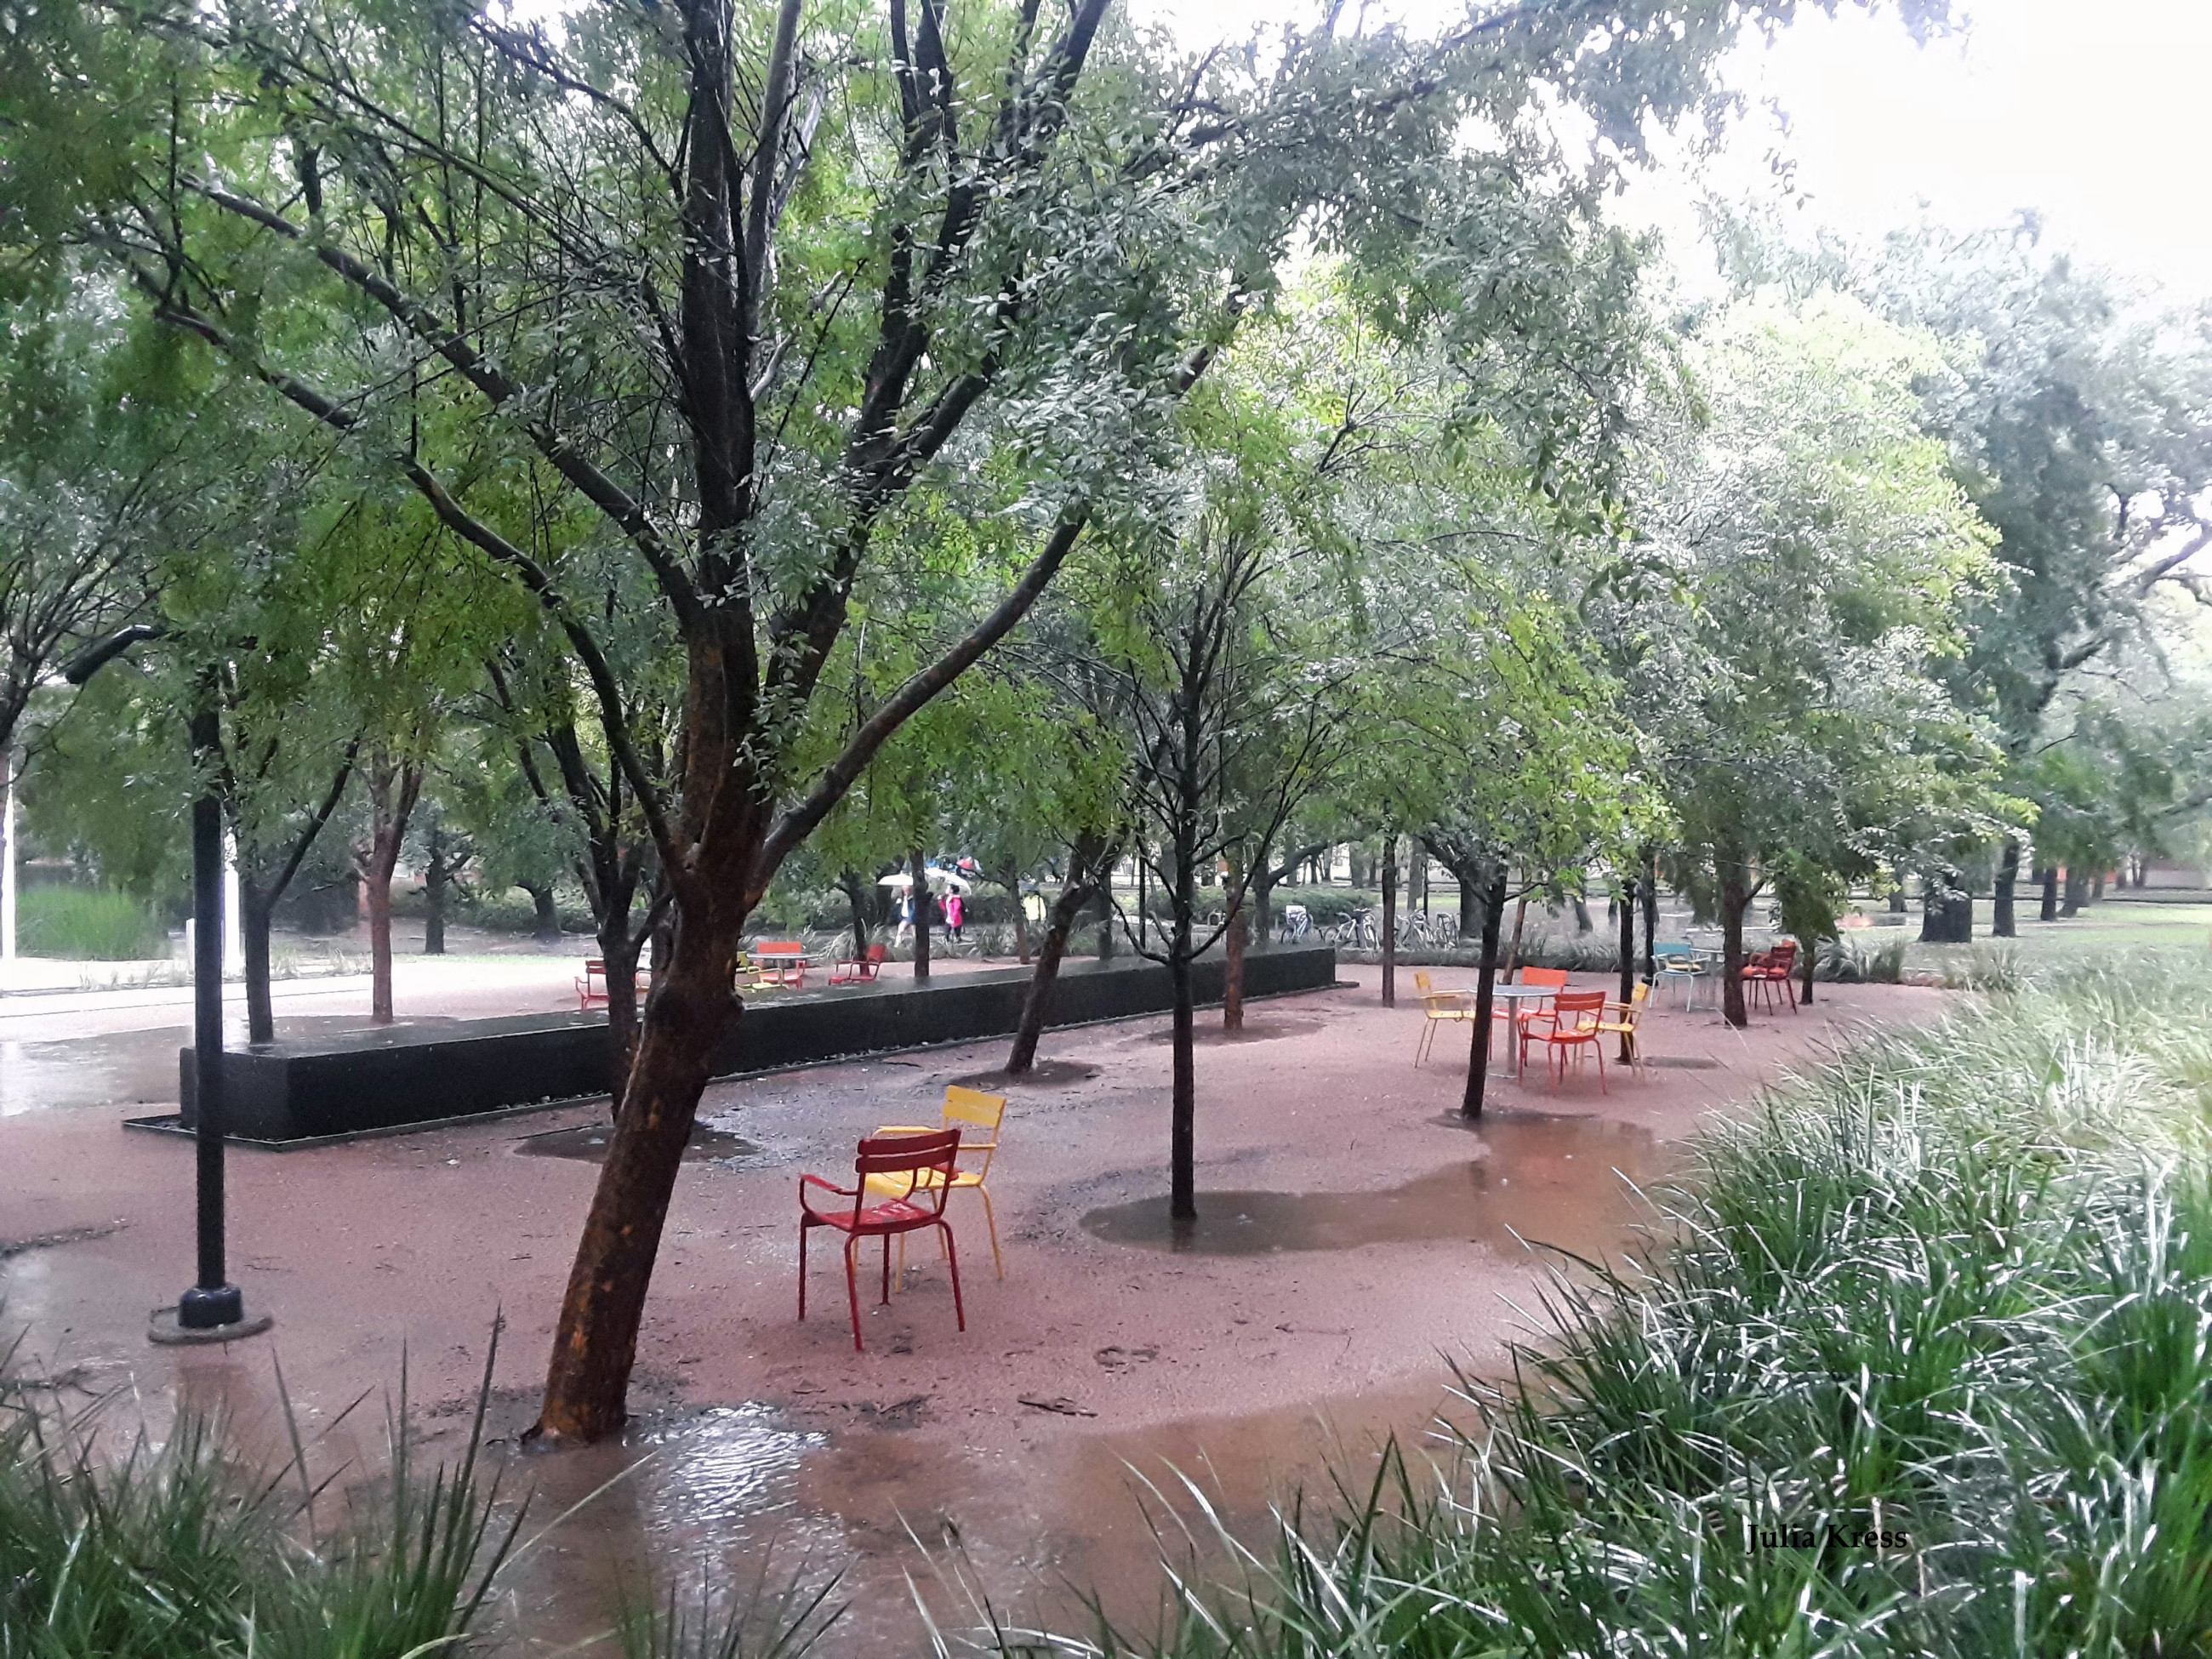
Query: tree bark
x=1624, y=918
x=596, y=1342
x=2048, y=876
x=1012, y=881
x=1390, y=921
x=2001, y=924
x=1513, y=953
x=393, y=787
x=1485, y=1003
x=1582, y=923
x=253, y=922
x=620, y=949
x=1735, y=898
x=1946, y=917
x=1232, y=968
x=919, y=892
x=2097, y=887
x=1807, y=957
x=1650, y=890
x=1897, y=906
x=434, y=880
x=854, y=886
x=2077, y=893
x=546, y=918
x=1085, y=859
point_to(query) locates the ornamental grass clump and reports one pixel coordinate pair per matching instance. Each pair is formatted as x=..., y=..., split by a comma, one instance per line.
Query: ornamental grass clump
x=1924, y=1366
x=163, y=1549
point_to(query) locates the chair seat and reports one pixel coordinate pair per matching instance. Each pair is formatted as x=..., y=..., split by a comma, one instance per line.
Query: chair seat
x=924, y=1181
x=880, y=1218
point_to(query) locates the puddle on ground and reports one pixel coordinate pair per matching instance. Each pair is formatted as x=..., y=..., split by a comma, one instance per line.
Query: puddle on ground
x=1546, y=1179
x=1208, y=1031
x=588, y=1141
x=738, y=1496
x=1044, y=1074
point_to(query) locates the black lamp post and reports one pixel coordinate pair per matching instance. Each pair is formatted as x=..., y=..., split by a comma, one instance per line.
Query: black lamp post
x=213, y=1310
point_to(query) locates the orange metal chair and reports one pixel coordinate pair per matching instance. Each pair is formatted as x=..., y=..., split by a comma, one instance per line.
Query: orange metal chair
x=1577, y=1018
x=1622, y=1020
x=1522, y=1017
x=909, y=1162
x=1437, y=1008
x=973, y=1113
x=1766, y=969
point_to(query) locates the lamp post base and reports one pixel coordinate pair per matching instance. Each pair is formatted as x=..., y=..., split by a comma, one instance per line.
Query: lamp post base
x=206, y=1316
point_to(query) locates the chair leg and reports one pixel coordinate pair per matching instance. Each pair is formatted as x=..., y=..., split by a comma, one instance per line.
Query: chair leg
x=991, y=1221
x=853, y=1285
x=803, y=1231
x=1598, y=1048
x=952, y=1261
x=887, y=1270
x=1421, y=1048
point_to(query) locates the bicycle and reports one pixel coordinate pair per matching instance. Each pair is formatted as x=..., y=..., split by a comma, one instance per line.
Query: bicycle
x=1297, y=924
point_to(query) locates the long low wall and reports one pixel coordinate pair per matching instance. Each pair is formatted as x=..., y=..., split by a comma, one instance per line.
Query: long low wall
x=382, y=1079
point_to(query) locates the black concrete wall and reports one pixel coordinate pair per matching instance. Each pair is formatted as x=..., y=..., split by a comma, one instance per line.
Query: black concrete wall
x=295, y=1089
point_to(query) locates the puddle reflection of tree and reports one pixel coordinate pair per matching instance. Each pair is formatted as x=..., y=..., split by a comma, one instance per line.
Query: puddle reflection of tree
x=1568, y=1182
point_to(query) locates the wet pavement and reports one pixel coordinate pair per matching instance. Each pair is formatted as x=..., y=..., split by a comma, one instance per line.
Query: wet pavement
x=1353, y=1231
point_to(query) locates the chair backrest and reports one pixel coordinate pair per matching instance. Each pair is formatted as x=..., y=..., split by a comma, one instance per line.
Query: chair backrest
x=909, y=1154
x=784, y=947
x=875, y=955
x=1553, y=978
x=1674, y=951
x=979, y=1111
x=1577, y=1004
x=1421, y=983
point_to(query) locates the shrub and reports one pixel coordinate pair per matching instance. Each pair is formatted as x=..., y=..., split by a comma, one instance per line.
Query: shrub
x=1920, y=1368
x=88, y=924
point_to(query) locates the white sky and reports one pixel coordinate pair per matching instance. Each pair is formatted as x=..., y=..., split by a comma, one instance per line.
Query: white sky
x=2081, y=110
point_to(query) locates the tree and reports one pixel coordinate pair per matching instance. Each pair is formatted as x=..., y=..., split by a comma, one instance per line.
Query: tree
x=750, y=284
x=1803, y=560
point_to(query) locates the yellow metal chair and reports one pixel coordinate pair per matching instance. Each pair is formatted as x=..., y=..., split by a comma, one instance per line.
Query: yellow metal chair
x=972, y=1112
x=1437, y=1008
x=1621, y=1020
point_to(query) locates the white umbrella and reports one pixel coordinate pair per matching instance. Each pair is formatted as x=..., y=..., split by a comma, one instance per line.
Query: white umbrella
x=937, y=877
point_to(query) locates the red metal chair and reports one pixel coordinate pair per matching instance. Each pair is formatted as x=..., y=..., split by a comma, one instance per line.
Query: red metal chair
x=922, y=1167
x=1764, y=969
x=858, y=971
x=1578, y=1020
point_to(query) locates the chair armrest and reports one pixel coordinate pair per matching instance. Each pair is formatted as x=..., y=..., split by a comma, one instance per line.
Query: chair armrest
x=806, y=1181
x=907, y=1129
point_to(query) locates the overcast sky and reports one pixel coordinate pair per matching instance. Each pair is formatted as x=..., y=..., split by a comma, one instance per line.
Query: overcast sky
x=2079, y=109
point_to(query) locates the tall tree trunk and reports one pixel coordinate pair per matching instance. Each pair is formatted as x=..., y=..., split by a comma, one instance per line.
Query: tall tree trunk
x=2097, y=887
x=2047, y=878
x=596, y=1342
x=1626, y=918
x=1808, y=957
x=393, y=787
x=1011, y=879
x=1582, y=923
x=1232, y=967
x=620, y=949
x=1083, y=860
x=2077, y=892
x=1650, y=886
x=1735, y=899
x=2001, y=919
x=1896, y=898
x=1513, y=953
x=1947, y=915
x=916, y=869
x=1182, y=1109
x=545, y=920
x=1390, y=921
x=1471, y=905
x=434, y=878
x=254, y=908
x=854, y=887
x=1486, y=1002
